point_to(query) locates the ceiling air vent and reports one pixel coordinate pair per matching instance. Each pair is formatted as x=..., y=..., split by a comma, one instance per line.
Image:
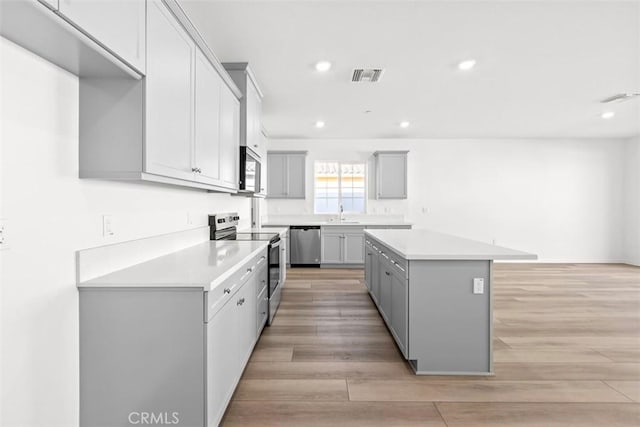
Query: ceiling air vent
x=371, y=75
x=620, y=97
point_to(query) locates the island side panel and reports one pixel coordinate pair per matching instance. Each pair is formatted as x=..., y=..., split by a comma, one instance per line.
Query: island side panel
x=141, y=352
x=449, y=325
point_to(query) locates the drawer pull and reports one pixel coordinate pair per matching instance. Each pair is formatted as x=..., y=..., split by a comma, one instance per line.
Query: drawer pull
x=261, y=259
x=227, y=290
x=240, y=301
x=384, y=255
x=387, y=273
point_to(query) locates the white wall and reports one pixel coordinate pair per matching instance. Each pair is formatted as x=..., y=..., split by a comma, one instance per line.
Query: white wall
x=561, y=199
x=632, y=202
x=50, y=214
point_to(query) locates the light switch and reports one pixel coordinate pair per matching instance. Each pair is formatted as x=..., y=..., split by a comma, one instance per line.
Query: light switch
x=478, y=285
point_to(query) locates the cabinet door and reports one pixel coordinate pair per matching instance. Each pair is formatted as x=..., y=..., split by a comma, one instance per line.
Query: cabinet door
x=207, y=121
x=332, y=248
x=245, y=301
x=375, y=274
x=296, y=174
x=385, y=289
x=283, y=260
x=354, y=248
x=169, y=95
x=264, y=177
x=119, y=25
x=368, y=265
x=223, y=363
x=391, y=176
x=229, y=138
x=254, y=109
x=277, y=176
x=399, y=309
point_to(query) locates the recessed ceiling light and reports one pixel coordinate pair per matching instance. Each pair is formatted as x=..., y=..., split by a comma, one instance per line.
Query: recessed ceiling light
x=404, y=124
x=608, y=115
x=319, y=124
x=467, y=64
x=323, y=66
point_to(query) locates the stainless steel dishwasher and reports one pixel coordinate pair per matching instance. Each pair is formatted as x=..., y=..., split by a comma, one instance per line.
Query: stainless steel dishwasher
x=305, y=245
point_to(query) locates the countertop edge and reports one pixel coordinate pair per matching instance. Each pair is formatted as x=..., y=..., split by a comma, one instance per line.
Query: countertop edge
x=204, y=287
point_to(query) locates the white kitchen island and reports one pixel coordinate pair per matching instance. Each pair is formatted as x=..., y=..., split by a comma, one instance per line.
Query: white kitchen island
x=434, y=292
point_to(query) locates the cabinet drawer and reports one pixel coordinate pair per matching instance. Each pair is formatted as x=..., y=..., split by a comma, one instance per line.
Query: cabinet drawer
x=217, y=297
x=398, y=263
x=262, y=309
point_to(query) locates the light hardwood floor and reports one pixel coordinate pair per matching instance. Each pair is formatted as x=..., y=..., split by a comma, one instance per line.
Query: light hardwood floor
x=566, y=352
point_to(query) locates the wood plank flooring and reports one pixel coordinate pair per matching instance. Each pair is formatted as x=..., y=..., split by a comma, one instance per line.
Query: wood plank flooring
x=566, y=352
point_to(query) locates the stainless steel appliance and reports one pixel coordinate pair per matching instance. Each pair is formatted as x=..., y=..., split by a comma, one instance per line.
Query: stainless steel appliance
x=224, y=227
x=249, y=171
x=305, y=246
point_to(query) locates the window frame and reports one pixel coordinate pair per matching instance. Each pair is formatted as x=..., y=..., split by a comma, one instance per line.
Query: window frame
x=340, y=202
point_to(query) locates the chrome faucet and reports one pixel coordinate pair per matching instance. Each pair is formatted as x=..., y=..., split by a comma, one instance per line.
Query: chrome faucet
x=341, y=213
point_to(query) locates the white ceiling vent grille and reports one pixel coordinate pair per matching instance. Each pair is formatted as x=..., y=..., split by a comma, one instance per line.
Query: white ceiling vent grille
x=371, y=75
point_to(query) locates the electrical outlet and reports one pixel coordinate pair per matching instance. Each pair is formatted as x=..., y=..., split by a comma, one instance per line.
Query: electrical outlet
x=478, y=285
x=107, y=226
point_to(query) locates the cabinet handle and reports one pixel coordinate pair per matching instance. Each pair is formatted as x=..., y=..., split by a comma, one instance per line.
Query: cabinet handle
x=240, y=301
x=261, y=259
x=227, y=290
x=387, y=273
x=255, y=145
x=249, y=270
x=194, y=169
x=384, y=255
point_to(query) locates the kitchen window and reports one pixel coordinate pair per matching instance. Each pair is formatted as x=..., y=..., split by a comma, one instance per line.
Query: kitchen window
x=339, y=183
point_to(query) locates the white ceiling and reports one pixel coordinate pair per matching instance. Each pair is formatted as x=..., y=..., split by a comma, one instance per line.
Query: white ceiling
x=542, y=66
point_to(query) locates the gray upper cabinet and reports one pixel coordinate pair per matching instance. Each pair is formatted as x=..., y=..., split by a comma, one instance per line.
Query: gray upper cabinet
x=286, y=177
x=169, y=106
x=251, y=134
x=229, y=138
x=391, y=174
x=178, y=125
x=207, y=121
x=118, y=25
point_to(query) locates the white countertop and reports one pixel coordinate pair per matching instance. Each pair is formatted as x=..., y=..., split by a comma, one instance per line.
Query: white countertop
x=336, y=223
x=430, y=245
x=204, y=266
x=279, y=230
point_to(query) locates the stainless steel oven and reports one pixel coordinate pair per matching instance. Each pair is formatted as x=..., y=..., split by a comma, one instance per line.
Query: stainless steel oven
x=224, y=227
x=249, y=171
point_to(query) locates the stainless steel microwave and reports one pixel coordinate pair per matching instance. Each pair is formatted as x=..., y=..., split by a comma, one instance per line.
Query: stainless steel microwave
x=249, y=171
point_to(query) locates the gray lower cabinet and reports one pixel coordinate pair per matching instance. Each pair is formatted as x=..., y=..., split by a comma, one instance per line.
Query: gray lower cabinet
x=342, y=245
x=117, y=25
x=332, y=247
x=286, y=177
x=440, y=326
x=174, y=354
x=391, y=174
